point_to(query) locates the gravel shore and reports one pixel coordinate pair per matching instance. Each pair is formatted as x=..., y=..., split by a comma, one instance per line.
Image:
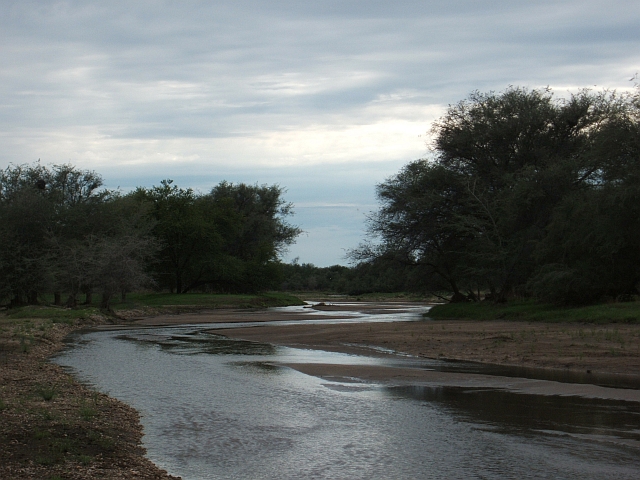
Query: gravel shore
x=51, y=426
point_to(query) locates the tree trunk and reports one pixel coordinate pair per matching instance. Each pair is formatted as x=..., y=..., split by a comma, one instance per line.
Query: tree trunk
x=57, y=298
x=72, y=301
x=32, y=297
x=123, y=295
x=88, y=297
x=17, y=300
x=105, y=302
x=458, y=298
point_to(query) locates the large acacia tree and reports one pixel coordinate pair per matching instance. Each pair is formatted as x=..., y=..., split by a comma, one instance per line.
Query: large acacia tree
x=497, y=206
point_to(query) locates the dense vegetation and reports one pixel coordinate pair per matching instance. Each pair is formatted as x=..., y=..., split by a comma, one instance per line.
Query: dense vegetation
x=525, y=195
x=60, y=232
x=376, y=276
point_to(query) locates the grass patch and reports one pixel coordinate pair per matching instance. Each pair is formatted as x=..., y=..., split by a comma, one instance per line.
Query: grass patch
x=55, y=314
x=206, y=300
x=174, y=302
x=531, y=311
x=54, y=450
x=84, y=459
x=102, y=441
x=25, y=342
x=46, y=392
x=87, y=412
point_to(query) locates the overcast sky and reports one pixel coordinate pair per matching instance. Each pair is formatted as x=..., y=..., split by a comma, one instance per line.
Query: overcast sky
x=324, y=98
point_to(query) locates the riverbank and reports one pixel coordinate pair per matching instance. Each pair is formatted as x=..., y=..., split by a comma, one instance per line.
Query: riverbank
x=607, y=348
x=592, y=349
x=52, y=427
x=602, y=348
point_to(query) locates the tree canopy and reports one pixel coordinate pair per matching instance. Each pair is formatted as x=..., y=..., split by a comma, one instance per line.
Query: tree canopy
x=524, y=194
x=227, y=240
x=61, y=232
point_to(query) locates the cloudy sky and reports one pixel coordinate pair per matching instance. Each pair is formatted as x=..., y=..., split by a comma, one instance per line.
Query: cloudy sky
x=324, y=98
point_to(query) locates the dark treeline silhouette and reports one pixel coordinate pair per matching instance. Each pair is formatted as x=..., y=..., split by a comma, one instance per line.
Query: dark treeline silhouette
x=376, y=276
x=523, y=195
x=62, y=233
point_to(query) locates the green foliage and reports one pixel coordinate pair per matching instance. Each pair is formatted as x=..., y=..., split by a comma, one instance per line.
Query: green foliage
x=532, y=311
x=87, y=412
x=524, y=195
x=60, y=232
x=298, y=277
x=56, y=314
x=227, y=240
x=207, y=300
x=47, y=392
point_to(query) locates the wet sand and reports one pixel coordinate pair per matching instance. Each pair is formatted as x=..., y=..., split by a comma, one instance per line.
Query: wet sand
x=593, y=351
x=227, y=316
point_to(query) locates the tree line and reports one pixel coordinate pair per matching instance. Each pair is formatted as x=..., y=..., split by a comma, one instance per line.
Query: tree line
x=523, y=194
x=61, y=232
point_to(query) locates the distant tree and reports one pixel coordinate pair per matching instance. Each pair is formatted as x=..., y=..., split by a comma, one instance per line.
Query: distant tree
x=186, y=228
x=255, y=232
x=229, y=239
x=52, y=220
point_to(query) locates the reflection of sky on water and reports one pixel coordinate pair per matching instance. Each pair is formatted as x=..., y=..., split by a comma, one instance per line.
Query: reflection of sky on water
x=218, y=408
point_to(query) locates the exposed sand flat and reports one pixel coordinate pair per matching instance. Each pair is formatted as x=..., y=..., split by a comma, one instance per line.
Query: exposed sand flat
x=612, y=349
x=411, y=376
x=592, y=350
x=227, y=316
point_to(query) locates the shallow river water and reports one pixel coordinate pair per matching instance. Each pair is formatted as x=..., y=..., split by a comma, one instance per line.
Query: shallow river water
x=214, y=408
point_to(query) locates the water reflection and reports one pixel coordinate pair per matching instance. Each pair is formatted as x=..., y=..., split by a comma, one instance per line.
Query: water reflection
x=193, y=343
x=215, y=408
x=515, y=412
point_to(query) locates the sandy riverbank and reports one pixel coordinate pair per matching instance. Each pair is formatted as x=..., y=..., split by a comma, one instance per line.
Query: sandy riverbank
x=51, y=426
x=613, y=349
x=80, y=434
x=595, y=352
x=602, y=348
x=551, y=354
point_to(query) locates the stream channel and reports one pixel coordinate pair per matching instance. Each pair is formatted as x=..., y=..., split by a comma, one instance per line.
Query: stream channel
x=215, y=408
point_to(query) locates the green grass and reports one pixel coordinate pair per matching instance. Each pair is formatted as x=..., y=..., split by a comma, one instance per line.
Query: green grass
x=530, y=311
x=86, y=411
x=55, y=314
x=46, y=392
x=207, y=300
x=174, y=302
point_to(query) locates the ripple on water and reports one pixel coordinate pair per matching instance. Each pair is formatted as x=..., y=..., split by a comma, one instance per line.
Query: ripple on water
x=218, y=408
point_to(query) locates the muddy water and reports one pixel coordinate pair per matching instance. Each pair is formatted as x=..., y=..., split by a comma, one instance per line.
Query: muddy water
x=215, y=408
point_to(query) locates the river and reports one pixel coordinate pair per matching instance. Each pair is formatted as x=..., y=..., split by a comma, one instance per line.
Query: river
x=214, y=408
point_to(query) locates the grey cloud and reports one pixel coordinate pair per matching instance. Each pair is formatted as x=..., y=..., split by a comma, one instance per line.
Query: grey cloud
x=79, y=76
